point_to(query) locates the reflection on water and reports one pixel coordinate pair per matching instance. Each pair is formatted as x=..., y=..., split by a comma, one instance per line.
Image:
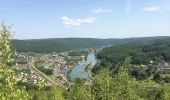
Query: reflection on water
x=79, y=70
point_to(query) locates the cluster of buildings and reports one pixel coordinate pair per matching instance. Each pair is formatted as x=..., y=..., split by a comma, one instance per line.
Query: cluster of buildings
x=55, y=63
x=163, y=67
x=58, y=66
x=29, y=77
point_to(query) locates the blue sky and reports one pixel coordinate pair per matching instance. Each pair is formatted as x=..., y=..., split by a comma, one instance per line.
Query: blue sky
x=32, y=19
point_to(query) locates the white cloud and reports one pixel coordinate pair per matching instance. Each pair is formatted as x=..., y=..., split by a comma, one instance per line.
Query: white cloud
x=77, y=22
x=152, y=9
x=102, y=10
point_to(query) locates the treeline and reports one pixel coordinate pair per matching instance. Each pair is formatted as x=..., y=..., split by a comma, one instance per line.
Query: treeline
x=67, y=44
x=58, y=44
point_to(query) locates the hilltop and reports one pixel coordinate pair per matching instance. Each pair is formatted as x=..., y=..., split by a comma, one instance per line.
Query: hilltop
x=66, y=44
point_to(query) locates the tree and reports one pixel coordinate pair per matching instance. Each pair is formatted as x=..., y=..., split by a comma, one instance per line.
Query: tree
x=157, y=77
x=166, y=92
x=151, y=70
x=119, y=87
x=102, y=87
x=8, y=87
x=139, y=73
x=80, y=91
x=55, y=93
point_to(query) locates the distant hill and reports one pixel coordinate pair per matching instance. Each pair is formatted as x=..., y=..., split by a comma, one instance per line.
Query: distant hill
x=66, y=44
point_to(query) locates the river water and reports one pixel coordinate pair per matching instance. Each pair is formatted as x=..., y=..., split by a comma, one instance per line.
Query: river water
x=79, y=70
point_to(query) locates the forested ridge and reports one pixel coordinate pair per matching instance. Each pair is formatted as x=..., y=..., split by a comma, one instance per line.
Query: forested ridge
x=141, y=52
x=143, y=59
x=67, y=44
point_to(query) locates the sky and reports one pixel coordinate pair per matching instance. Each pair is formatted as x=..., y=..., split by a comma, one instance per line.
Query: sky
x=35, y=19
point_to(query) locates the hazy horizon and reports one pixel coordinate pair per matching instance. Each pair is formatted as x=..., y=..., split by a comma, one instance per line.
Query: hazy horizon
x=87, y=38
x=39, y=19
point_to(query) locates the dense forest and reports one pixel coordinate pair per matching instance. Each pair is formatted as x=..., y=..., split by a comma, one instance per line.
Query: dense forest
x=67, y=44
x=143, y=59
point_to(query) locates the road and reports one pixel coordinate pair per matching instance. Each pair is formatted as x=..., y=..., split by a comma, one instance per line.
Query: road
x=51, y=81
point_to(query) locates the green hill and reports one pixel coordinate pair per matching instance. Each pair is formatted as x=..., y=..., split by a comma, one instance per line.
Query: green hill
x=139, y=52
x=66, y=44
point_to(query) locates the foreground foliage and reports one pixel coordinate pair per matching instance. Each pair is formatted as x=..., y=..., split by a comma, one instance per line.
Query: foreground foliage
x=121, y=86
x=8, y=87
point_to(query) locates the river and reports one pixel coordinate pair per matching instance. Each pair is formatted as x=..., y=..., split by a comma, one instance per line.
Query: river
x=79, y=70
